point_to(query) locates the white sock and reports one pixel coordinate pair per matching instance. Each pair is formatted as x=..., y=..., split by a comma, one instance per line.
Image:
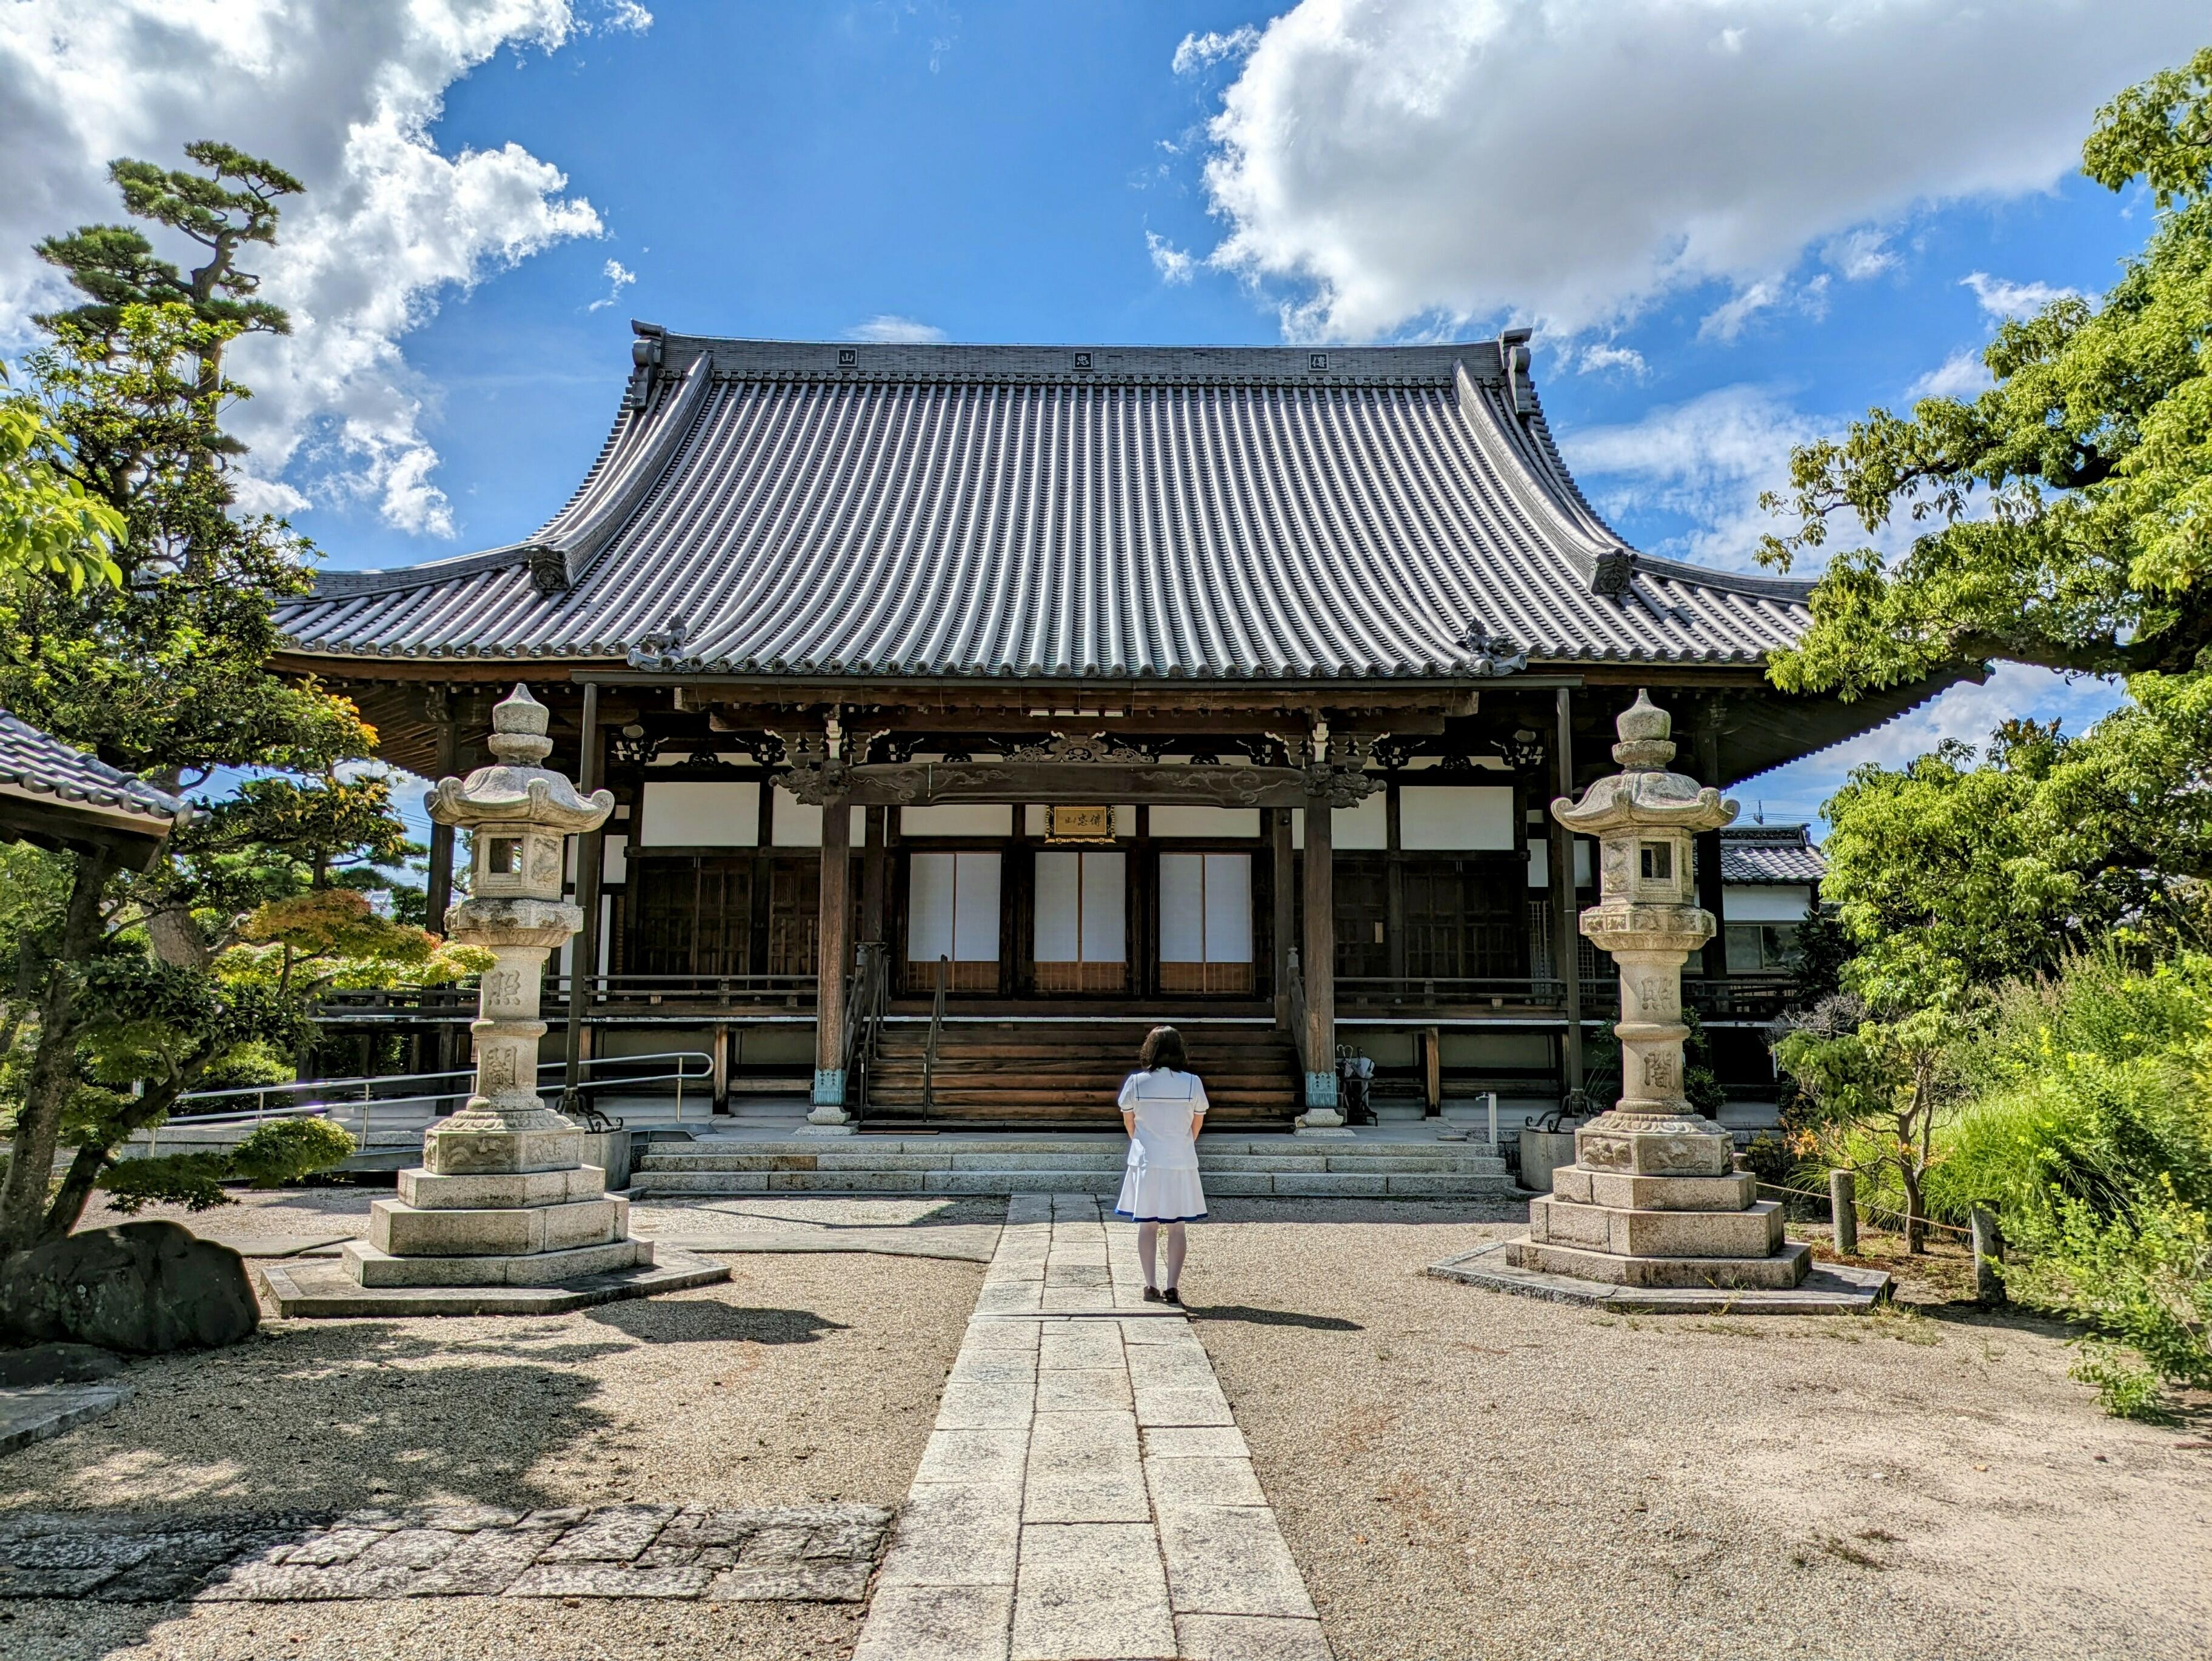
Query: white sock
x=1148, y=1239
x=1175, y=1243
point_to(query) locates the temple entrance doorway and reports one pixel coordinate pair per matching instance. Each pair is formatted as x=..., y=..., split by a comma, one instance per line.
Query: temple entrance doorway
x=1081, y=940
x=952, y=913
x=1205, y=924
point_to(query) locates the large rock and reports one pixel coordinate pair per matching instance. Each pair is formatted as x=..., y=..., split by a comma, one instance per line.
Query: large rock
x=57, y=1364
x=143, y=1288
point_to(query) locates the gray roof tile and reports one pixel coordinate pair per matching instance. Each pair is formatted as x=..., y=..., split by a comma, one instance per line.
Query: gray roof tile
x=35, y=765
x=1753, y=854
x=971, y=510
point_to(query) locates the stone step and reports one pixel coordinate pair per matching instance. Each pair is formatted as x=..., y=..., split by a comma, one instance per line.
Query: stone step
x=1300, y=1184
x=1210, y=1146
x=651, y=1170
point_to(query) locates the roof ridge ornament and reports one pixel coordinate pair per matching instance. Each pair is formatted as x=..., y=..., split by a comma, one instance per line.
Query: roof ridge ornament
x=1612, y=574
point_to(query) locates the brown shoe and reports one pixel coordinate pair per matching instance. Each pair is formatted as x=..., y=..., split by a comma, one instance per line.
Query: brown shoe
x=1152, y=1294
x=1171, y=1296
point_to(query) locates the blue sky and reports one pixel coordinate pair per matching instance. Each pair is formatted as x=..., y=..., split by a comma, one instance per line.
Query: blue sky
x=1734, y=223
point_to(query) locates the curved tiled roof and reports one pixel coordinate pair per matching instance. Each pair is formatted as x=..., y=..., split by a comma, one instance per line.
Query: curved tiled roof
x=1267, y=513
x=40, y=768
x=1753, y=854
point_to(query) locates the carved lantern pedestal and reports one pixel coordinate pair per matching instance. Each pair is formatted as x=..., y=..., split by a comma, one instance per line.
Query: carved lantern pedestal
x=502, y=1197
x=1653, y=1198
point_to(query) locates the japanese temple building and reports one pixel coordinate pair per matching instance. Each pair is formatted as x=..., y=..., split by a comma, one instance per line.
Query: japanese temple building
x=970, y=707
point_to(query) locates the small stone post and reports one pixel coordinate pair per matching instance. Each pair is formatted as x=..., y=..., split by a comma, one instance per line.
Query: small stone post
x=1653, y=1198
x=502, y=1198
x=1844, y=1208
x=1988, y=1241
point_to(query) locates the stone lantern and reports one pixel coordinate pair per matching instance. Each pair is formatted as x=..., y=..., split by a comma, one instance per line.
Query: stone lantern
x=502, y=1197
x=1653, y=1198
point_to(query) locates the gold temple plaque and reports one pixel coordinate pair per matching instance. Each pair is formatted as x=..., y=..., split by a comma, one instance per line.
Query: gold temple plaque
x=1094, y=824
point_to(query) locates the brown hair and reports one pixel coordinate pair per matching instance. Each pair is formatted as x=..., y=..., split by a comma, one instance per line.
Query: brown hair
x=1164, y=1048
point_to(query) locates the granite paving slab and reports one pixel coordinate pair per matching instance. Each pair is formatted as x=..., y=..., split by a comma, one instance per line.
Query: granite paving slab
x=822, y=1554
x=37, y=1413
x=1829, y=1289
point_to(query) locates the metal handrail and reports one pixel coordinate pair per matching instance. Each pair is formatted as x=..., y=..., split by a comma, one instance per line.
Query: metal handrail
x=943, y=974
x=341, y=1110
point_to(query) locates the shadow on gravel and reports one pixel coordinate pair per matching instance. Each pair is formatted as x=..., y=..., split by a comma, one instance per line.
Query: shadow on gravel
x=703, y=1321
x=1273, y=1317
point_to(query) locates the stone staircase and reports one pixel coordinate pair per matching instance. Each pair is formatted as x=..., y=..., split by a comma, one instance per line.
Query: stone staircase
x=1040, y=1072
x=1233, y=1165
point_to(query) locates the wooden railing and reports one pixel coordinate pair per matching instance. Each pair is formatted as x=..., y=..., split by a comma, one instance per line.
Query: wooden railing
x=1294, y=998
x=1731, y=999
x=627, y=993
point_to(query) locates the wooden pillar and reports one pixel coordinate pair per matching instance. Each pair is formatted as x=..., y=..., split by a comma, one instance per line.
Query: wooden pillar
x=1285, y=911
x=1393, y=888
x=1566, y=935
x=438, y=890
x=584, y=950
x=1709, y=876
x=1320, y=961
x=833, y=948
x=873, y=860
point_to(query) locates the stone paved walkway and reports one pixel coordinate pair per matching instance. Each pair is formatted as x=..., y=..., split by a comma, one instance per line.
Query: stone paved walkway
x=1086, y=1494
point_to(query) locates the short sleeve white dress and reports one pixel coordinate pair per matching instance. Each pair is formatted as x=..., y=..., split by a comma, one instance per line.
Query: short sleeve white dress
x=1161, y=1183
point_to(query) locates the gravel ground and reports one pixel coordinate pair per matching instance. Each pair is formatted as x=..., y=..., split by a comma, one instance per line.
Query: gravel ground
x=1466, y=1473
x=291, y=1215
x=803, y=1378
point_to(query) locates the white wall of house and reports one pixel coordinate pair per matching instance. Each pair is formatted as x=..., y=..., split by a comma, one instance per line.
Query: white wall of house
x=1766, y=902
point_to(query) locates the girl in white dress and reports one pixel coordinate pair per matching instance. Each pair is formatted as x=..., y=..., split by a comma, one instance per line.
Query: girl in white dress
x=1162, y=1107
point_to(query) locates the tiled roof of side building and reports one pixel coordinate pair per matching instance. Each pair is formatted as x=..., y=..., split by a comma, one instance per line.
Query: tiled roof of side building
x=36, y=766
x=1270, y=514
x=1752, y=853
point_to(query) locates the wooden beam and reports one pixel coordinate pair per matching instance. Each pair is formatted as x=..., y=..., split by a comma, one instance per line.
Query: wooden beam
x=916, y=784
x=1196, y=723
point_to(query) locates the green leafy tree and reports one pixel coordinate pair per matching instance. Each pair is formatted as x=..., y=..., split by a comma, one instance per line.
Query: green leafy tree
x=2064, y=516
x=132, y=988
x=49, y=526
x=1873, y=1093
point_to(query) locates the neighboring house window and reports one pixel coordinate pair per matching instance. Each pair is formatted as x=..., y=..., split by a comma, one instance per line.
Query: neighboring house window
x=1762, y=948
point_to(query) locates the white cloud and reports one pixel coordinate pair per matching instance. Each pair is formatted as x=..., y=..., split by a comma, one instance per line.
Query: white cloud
x=2001, y=299
x=346, y=96
x=886, y=330
x=1391, y=160
x=1199, y=52
x=626, y=17
x=1726, y=321
x=1706, y=460
x=1962, y=374
x=1173, y=264
x=1604, y=355
x=1859, y=254
x=619, y=276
